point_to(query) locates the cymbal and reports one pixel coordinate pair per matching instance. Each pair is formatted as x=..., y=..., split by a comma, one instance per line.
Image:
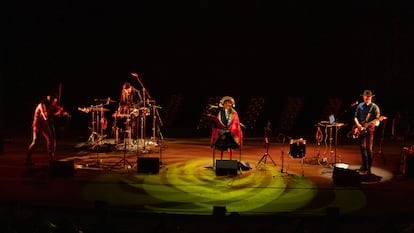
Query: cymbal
x=93, y=109
x=108, y=100
x=98, y=109
x=85, y=110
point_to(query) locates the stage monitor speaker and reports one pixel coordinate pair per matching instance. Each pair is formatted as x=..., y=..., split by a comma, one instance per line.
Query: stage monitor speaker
x=345, y=177
x=148, y=165
x=226, y=167
x=62, y=168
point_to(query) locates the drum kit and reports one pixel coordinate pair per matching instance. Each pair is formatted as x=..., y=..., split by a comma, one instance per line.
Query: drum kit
x=128, y=126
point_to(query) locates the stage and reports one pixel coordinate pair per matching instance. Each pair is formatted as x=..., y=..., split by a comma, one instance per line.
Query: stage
x=267, y=183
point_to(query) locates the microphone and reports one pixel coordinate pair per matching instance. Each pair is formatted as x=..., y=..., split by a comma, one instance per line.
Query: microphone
x=212, y=106
x=355, y=103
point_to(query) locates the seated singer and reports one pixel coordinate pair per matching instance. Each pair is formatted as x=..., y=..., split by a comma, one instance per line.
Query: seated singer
x=226, y=130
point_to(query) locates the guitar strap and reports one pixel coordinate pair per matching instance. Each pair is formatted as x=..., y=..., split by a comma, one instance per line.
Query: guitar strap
x=369, y=112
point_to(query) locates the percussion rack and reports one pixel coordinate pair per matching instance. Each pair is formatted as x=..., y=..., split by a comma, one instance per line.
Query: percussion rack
x=97, y=117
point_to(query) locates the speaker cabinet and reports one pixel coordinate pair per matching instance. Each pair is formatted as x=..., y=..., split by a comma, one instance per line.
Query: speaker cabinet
x=345, y=177
x=62, y=168
x=148, y=165
x=226, y=167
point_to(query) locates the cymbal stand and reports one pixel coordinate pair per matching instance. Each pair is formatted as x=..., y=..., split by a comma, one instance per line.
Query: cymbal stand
x=93, y=133
x=266, y=155
x=154, y=122
x=102, y=121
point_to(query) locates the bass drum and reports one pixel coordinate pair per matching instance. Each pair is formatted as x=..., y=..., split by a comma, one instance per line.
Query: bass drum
x=297, y=148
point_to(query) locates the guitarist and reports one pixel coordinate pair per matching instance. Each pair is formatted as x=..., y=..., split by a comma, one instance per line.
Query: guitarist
x=367, y=114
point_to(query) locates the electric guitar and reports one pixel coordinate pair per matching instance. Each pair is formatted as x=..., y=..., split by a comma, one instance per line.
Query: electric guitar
x=357, y=132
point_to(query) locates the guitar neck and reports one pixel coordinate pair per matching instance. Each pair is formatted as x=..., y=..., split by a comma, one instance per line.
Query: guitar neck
x=375, y=121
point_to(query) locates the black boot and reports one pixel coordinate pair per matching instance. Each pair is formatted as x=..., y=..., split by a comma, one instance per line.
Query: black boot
x=28, y=160
x=369, y=163
x=364, y=166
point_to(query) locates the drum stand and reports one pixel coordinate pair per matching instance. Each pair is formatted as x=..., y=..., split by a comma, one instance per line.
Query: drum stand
x=97, y=117
x=93, y=133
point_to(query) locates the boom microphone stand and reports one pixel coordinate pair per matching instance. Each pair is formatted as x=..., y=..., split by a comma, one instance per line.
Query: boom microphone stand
x=145, y=94
x=282, y=137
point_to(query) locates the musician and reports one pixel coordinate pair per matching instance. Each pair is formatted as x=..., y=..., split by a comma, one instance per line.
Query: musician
x=129, y=104
x=130, y=97
x=367, y=113
x=227, y=133
x=45, y=113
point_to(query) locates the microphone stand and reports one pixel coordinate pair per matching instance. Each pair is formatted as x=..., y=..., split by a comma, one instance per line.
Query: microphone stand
x=143, y=117
x=282, y=137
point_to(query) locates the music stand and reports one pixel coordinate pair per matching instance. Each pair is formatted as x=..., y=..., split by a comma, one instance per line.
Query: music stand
x=266, y=154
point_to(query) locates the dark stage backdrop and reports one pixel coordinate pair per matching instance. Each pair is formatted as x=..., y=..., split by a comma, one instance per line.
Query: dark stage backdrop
x=315, y=50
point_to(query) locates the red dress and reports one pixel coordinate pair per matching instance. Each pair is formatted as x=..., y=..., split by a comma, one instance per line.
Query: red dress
x=226, y=132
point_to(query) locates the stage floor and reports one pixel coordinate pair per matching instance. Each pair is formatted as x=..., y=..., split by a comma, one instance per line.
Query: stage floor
x=267, y=181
